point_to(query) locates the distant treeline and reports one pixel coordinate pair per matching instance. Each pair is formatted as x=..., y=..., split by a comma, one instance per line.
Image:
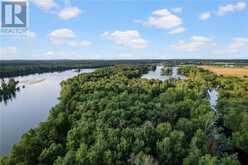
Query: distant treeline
x=12, y=68
x=24, y=67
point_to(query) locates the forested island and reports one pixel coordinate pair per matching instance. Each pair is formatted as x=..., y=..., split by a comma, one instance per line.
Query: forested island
x=112, y=116
x=166, y=71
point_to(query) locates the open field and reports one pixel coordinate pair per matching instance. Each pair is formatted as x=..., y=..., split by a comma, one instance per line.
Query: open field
x=239, y=72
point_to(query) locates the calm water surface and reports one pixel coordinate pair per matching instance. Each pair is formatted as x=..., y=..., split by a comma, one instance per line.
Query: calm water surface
x=156, y=74
x=31, y=105
x=213, y=98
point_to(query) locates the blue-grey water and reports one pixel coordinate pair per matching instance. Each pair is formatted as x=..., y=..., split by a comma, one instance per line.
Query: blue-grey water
x=31, y=105
x=213, y=97
x=156, y=74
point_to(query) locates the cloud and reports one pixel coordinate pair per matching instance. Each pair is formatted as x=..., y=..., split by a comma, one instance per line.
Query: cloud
x=130, y=38
x=205, y=16
x=237, y=45
x=8, y=52
x=223, y=10
x=44, y=4
x=163, y=19
x=177, y=10
x=196, y=43
x=61, y=36
x=177, y=30
x=231, y=8
x=79, y=44
x=65, y=13
x=69, y=13
x=67, y=37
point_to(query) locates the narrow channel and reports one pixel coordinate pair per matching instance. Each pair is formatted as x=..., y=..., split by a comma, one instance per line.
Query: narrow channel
x=213, y=97
x=215, y=135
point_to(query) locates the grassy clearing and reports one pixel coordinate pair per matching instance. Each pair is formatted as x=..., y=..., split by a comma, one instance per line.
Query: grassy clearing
x=225, y=71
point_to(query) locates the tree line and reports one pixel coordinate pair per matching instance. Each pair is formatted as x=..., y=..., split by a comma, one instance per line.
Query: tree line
x=12, y=68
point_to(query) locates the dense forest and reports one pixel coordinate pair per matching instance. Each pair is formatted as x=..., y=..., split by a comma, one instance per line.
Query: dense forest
x=112, y=116
x=8, y=89
x=12, y=68
x=233, y=111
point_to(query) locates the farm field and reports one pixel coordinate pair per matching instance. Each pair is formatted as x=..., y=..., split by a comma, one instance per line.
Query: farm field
x=233, y=72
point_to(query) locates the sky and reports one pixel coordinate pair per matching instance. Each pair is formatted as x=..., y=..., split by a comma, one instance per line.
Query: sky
x=131, y=29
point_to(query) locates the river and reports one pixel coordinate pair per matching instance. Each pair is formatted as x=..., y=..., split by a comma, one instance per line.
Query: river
x=213, y=97
x=156, y=74
x=214, y=130
x=31, y=105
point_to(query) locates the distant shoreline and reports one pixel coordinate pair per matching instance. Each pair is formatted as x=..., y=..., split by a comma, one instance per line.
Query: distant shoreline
x=13, y=68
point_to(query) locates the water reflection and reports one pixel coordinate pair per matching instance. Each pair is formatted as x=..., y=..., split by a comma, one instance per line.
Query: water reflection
x=8, y=90
x=175, y=73
x=156, y=74
x=31, y=105
x=8, y=97
x=213, y=97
